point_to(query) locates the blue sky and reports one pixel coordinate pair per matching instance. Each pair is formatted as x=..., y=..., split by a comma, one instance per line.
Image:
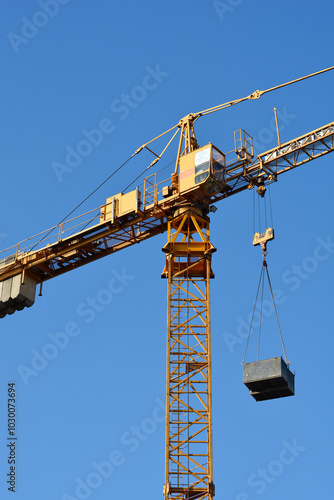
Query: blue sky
x=133, y=69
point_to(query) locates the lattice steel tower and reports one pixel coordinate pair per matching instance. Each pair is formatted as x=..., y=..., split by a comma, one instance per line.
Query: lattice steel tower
x=188, y=467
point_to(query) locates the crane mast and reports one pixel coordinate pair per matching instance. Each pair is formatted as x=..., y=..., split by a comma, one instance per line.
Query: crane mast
x=188, y=462
x=179, y=205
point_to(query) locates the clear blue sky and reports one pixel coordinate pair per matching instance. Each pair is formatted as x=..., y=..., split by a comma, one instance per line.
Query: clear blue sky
x=69, y=66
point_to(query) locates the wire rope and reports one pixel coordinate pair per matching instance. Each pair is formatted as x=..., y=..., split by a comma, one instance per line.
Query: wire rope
x=259, y=214
x=271, y=209
x=260, y=322
x=85, y=199
x=265, y=212
x=251, y=323
x=195, y=116
x=279, y=327
x=153, y=163
x=264, y=267
x=253, y=211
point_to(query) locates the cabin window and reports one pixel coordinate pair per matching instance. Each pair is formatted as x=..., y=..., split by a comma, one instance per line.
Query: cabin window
x=218, y=167
x=202, y=165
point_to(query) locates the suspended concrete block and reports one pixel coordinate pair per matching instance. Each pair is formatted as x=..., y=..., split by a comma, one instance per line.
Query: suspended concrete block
x=269, y=379
x=15, y=295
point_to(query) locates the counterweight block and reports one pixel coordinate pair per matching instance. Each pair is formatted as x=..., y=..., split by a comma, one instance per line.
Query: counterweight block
x=14, y=294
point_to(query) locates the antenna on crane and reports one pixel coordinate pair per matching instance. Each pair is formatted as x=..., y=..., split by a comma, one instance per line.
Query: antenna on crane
x=279, y=144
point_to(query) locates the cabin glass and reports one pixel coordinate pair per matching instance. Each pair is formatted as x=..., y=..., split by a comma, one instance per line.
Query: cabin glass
x=202, y=165
x=218, y=165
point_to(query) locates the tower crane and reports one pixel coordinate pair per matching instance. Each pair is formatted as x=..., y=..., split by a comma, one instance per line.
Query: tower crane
x=180, y=206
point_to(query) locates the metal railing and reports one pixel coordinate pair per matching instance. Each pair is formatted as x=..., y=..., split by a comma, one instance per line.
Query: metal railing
x=55, y=234
x=153, y=190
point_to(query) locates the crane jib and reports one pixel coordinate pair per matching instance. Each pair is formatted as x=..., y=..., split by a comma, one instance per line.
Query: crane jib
x=205, y=177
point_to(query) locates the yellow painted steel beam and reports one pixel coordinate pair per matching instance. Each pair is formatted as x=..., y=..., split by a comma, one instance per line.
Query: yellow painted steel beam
x=81, y=248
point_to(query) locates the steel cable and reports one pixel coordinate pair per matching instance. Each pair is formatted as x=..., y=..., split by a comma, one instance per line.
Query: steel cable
x=83, y=201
